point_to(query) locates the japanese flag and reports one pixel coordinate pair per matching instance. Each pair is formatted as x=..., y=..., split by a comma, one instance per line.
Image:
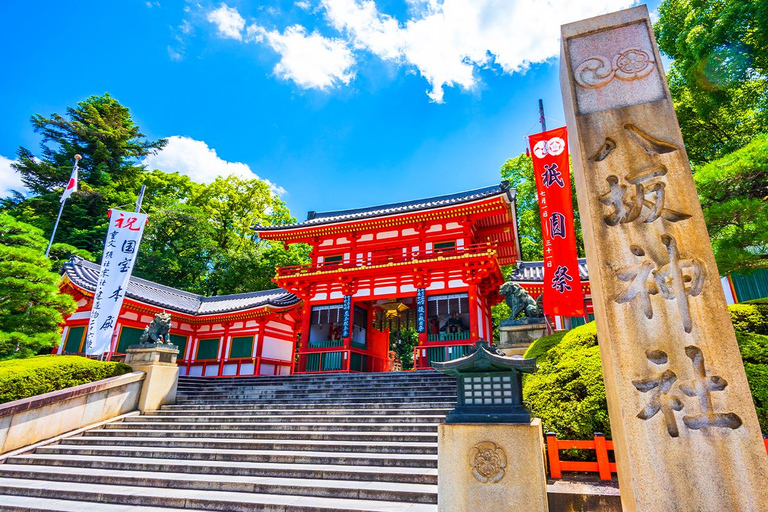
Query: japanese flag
x=71, y=185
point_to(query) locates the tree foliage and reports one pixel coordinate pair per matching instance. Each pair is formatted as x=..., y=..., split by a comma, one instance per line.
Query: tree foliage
x=31, y=307
x=198, y=238
x=733, y=191
x=719, y=76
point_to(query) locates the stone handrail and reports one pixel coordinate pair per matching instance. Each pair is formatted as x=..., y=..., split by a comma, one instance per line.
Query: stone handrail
x=34, y=419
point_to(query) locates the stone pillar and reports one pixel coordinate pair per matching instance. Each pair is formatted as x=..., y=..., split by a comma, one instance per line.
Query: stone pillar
x=158, y=361
x=491, y=466
x=684, y=425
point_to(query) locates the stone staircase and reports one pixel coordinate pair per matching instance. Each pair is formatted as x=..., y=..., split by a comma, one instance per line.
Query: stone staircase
x=306, y=442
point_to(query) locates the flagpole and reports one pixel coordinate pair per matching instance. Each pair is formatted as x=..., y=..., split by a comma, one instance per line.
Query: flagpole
x=61, y=209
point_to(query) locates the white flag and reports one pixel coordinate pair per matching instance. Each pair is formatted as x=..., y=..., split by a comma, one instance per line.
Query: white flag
x=71, y=185
x=120, y=249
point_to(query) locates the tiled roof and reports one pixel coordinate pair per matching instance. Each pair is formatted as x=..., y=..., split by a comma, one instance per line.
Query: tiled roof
x=533, y=271
x=319, y=218
x=86, y=274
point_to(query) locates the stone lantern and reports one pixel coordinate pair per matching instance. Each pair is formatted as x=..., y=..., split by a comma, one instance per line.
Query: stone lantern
x=490, y=451
x=490, y=388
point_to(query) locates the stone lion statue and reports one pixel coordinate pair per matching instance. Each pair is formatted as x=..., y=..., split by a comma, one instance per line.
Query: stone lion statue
x=519, y=301
x=158, y=330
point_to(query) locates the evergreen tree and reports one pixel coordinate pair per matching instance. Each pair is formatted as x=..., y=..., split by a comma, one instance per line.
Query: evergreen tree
x=103, y=132
x=31, y=307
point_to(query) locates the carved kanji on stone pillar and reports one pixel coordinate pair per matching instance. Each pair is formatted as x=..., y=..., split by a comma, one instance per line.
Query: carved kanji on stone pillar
x=684, y=426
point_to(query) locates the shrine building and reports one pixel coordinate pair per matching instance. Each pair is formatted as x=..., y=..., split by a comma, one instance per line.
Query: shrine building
x=431, y=264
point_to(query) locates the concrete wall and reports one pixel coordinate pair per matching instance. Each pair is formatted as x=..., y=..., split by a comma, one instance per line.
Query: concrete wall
x=35, y=419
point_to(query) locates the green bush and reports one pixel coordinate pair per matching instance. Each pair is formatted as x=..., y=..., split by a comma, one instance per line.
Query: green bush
x=543, y=344
x=567, y=392
x=22, y=378
x=749, y=318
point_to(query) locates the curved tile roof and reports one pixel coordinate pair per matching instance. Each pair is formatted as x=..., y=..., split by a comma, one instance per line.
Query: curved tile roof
x=86, y=274
x=319, y=218
x=533, y=271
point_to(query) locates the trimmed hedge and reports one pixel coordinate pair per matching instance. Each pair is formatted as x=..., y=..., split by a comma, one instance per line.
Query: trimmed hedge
x=22, y=378
x=543, y=344
x=568, y=393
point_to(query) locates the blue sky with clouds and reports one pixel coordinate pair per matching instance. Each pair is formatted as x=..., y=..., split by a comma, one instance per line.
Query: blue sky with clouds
x=338, y=103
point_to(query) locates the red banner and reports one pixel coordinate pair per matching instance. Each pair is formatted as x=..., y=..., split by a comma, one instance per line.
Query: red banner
x=562, y=285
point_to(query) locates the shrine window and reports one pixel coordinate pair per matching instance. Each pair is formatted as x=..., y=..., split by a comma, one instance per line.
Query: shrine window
x=445, y=246
x=325, y=326
x=333, y=260
x=448, y=317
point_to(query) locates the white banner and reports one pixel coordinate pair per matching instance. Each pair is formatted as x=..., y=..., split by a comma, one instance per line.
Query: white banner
x=120, y=249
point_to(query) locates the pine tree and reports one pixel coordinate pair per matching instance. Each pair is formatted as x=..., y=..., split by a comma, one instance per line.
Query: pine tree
x=111, y=144
x=31, y=307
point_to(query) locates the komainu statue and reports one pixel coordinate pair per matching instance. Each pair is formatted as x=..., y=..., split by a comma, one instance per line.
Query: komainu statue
x=158, y=330
x=519, y=301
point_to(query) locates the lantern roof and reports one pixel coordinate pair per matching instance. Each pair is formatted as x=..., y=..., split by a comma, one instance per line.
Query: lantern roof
x=485, y=359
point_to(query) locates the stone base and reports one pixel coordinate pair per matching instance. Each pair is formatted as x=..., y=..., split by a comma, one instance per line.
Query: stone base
x=492, y=466
x=515, y=339
x=159, y=363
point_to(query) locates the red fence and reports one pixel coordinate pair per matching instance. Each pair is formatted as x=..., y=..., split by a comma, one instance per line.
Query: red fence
x=599, y=444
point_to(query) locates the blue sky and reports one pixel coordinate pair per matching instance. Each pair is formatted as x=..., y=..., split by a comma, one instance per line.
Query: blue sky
x=338, y=103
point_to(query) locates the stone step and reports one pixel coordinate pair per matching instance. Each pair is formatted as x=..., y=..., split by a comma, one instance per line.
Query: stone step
x=329, y=400
x=195, y=499
x=311, y=406
x=310, y=389
x=38, y=504
x=278, y=426
x=278, y=445
x=298, y=418
x=315, y=471
x=339, y=436
x=410, y=460
x=291, y=412
x=351, y=490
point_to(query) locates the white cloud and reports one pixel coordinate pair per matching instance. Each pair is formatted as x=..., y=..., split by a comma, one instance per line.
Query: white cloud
x=448, y=42
x=228, y=22
x=303, y=4
x=310, y=60
x=201, y=163
x=10, y=180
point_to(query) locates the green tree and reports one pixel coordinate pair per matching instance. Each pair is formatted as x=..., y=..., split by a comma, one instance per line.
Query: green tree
x=111, y=144
x=719, y=76
x=518, y=172
x=402, y=343
x=733, y=191
x=31, y=307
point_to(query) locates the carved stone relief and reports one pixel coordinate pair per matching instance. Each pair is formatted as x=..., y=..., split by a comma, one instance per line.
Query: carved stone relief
x=488, y=462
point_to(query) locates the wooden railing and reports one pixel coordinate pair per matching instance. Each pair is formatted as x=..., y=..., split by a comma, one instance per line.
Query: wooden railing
x=326, y=343
x=448, y=336
x=349, y=360
x=242, y=366
x=424, y=355
x=386, y=257
x=604, y=467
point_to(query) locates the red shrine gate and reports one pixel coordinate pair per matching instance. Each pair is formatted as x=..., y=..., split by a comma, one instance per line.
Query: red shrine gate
x=431, y=264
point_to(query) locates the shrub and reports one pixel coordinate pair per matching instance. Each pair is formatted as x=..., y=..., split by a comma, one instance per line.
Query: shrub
x=567, y=392
x=754, y=353
x=22, y=378
x=749, y=318
x=543, y=344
